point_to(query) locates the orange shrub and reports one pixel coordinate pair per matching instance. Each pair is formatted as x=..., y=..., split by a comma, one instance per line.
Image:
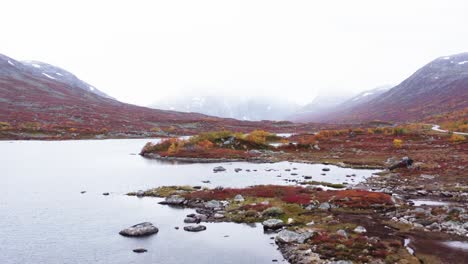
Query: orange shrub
x=397, y=143
x=457, y=138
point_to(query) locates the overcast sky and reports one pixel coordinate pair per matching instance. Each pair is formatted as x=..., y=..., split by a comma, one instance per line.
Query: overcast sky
x=140, y=51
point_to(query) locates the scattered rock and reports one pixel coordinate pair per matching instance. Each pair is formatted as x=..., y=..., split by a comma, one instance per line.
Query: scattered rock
x=140, y=193
x=140, y=250
x=239, y=198
x=213, y=204
x=138, y=230
x=218, y=216
x=272, y=211
x=326, y=169
x=195, y=228
x=106, y=193
x=342, y=233
x=272, y=224
x=83, y=192
x=237, y=169
x=173, y=200
x=286, y=236
x=360, y=229
x=324, y=206
x=219, y=169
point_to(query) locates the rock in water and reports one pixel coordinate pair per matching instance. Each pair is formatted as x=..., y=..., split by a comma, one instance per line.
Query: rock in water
x=326, y=169
x=142, y=229
x=140, y=250
x=219, y=169
x=173, y=200
x=286, y=236
x=272, y=224
x=195, y=228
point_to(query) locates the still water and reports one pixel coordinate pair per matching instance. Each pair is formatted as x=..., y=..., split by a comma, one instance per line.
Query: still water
x=44, y=218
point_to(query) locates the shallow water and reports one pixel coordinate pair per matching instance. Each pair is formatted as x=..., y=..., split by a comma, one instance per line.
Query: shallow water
x=45, y=219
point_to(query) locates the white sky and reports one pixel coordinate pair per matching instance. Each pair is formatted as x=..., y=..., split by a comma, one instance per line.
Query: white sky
x=140, y=51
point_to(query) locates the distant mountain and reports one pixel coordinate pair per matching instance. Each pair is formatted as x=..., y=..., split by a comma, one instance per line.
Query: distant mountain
x=41, y=95
x=44, y=70
x=319, y=107
x=441, y=86
x=242, y=108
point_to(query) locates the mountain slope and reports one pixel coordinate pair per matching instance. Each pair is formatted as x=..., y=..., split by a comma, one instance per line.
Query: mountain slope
x=32, y=101
x=440, y=86
x=242, y=108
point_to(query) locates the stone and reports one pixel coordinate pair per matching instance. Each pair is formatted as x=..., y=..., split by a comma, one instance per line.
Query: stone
x=219, y=169
x=173, y=200
x=218, y=216
x=290, y=221
x=272, y=211
x=324, y=206
x=307, y=177
x=194, y=228
x=140, y=193
x=106, y=193
x=83, y=192
x=138, y=230
x=342, y=233
x=286, y=236
x=239, y=198
x=140, y=250
x=326, y=169
x=360, y=229
x=191, y=220
x=237, y=169
x=213, y=204
x=272, y=224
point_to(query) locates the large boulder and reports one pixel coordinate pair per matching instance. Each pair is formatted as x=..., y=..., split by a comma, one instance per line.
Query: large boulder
x=195, y=228
x=138, y=230
x=173, y=200
x=286, y=236
x=272, y=224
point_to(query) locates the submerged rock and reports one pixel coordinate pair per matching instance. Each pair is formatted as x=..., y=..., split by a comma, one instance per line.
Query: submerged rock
x=326, y=169
x=272, y=224
x=195, y=228
x=140, y=250
x=286, y=236
x=142, y=229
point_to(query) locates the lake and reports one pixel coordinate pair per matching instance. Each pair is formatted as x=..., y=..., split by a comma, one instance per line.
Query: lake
x=44, y=218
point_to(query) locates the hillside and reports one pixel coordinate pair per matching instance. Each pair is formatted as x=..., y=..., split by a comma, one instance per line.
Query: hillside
x=35, y=103
x=439, y=87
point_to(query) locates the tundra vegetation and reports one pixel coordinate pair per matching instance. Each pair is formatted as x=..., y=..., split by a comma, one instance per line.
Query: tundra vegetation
x=348, y=222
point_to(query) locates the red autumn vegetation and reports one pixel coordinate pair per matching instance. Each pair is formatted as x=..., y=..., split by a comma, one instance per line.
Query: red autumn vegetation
x=355, y=198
